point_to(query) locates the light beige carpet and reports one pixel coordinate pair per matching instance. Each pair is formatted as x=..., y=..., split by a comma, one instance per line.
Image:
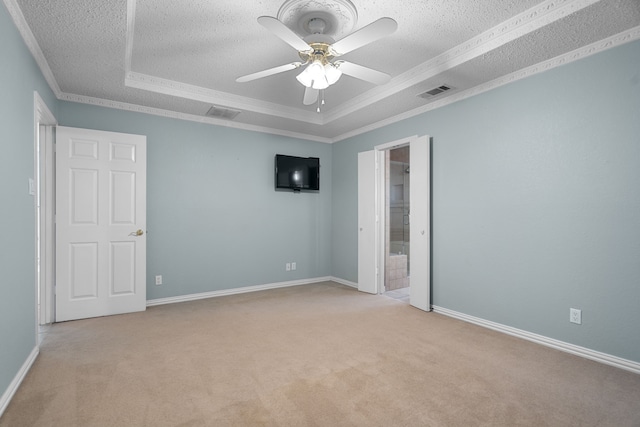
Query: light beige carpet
x=315, y=355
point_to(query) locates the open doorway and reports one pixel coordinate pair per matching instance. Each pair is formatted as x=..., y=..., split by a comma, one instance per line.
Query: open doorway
x=372, y=218
x=397, y=228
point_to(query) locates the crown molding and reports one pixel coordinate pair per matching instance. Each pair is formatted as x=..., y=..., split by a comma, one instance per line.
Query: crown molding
x=198, y=93
x=526, y=22
x=33, y=46
x=520, y=25
x=616, y=40
x=99, y=102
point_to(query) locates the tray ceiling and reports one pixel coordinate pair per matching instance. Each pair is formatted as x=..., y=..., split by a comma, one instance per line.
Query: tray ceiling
x=177, y=58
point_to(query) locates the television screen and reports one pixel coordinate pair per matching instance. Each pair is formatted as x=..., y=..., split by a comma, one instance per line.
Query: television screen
x=297, y=173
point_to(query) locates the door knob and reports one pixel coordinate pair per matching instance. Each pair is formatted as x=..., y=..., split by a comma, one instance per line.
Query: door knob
x=137, y=233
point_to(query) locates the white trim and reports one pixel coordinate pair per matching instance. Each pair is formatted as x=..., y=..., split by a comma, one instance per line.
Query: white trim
x=576, y=350
x=381, y=205
x=518, y=26
x=396, y=144
x=530, y=20
x=81, y=99
x=524, y=23
x=218, y=98
x=580, y=53
x=42, y=116
x=17, y=380
x=198, y=93
x=32, y=44
x=344, y=282
x=234, y=291
x=566, y=58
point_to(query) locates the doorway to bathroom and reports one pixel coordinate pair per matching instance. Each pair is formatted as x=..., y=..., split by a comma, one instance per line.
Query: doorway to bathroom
x=397, y=269
x=374, y=227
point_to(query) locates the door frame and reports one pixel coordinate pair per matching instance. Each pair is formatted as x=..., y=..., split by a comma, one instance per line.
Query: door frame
x=381, y=207
x=44, y=201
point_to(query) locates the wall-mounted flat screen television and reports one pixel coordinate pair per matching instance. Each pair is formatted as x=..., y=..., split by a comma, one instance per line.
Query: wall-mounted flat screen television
x=297, y=173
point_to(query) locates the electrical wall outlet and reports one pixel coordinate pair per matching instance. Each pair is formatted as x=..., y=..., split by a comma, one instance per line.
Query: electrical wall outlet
x=293, y=265
x=287, y=266
x=575, y=316
x=158, y=280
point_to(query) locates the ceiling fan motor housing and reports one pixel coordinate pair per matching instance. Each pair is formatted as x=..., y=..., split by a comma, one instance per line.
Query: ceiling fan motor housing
x=319, y=52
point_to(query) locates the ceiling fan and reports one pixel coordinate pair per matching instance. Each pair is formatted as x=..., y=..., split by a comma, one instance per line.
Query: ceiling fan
x=318, y=52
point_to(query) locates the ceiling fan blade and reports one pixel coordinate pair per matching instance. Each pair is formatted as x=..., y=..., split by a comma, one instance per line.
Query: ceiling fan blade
x=363, y=73
x=269, y=72
x=282, y=31
x=365, y=35
x=310, y=96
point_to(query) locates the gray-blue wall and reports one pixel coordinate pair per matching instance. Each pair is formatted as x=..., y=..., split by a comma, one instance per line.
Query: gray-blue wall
x=536, y=202
x=214, y=218
x=536, y=205
x=19, y=77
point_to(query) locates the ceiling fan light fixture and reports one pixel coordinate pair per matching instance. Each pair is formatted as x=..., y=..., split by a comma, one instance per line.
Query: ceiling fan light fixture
x=314, y=76
x=304, y=78
x=332, y=73
x=315, y=70
x=320, y=83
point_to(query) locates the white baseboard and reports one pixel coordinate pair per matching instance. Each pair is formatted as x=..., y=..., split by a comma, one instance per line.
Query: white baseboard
x=597, y=356
x=344, y=282
x=17, y=380
x=225, y=292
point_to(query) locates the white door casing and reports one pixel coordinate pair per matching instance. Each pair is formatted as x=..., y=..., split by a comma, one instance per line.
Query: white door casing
x=46, y=233
x=420, y=217
x=100, y=223
x=371, y=208
x=44, y=122
x=367, y=253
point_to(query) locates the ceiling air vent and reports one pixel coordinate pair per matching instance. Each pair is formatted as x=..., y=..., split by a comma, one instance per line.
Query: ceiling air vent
x=222, y=113
x=435, y=91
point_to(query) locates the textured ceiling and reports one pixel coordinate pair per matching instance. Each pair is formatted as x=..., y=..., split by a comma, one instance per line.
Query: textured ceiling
x=177, y=58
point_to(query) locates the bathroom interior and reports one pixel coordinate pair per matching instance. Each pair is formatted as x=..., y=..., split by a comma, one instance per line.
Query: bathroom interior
x=397, y=260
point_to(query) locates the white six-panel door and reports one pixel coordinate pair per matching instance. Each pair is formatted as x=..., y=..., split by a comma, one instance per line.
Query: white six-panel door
x=100, y=223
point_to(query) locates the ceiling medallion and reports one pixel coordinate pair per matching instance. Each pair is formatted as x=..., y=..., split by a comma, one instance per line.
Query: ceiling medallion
x=339, y=16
